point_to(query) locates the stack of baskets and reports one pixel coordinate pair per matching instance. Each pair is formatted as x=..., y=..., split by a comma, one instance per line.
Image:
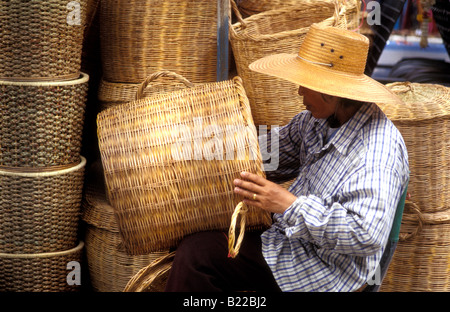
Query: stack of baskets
x=42, y=105
x=422, y=257
x=140, y=37
x=273, y=100
x=110, y=266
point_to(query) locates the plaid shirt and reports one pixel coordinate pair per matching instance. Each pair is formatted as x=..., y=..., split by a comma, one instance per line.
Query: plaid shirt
x=332, y=237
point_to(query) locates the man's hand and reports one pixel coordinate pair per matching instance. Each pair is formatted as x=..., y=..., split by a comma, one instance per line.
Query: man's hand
x=260, y=192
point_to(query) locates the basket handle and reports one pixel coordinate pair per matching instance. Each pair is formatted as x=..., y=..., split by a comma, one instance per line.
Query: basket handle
x=156, y=75
x=413, y=206
x=238, y=14
x=404, y=86
x=241, y=209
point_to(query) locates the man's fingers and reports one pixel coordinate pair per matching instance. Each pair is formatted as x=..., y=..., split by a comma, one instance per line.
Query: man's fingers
x=253, y=178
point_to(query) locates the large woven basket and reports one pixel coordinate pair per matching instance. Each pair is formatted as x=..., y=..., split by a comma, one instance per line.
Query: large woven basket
x=165, y=163
x=424, y=122
x=40, y=272
x=40, y=211
x=422, y=257
x=252, y=7
x=111, y=94
x=139, y=37
x=110, y=267
x=275, y=101
x=40, y=40
x=42, y=122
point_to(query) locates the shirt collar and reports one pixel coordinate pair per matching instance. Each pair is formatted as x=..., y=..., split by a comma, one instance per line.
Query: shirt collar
x=347, y=132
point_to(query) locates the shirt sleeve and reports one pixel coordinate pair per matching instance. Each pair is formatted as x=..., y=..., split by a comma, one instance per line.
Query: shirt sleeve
x=357, y=223
x=280, y=150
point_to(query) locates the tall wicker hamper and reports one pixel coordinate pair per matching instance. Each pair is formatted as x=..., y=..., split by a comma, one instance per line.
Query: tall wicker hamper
x=273, y=100
x=41, y=40
x=110, y=266
x=41, y=123
x=422, y=259
x=139, y=37
x=166, y=167
x=40, y=210
x=41, y=272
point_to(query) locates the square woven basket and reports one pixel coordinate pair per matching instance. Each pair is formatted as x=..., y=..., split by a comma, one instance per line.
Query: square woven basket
x=170, y=160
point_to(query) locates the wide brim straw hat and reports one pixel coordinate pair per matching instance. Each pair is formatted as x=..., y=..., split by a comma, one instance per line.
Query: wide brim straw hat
x=331, y=61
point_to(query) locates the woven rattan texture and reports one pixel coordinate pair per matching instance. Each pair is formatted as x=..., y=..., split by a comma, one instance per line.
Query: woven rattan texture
x=275, y=101
x=40, y=212
x=110, y=267
x=41, y=124
x=166, y=167
x=139, y=37
x=422, y=259
x=44, y=272
x=37, y=42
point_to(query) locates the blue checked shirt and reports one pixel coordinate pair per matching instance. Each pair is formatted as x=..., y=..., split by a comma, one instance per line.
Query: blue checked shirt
x=332, y=237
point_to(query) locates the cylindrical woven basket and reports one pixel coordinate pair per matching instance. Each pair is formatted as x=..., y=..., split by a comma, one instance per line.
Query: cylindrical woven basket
x=275, y=101
x=110, y=267
x=252, y=7
x=42, y=122
x=40, y=272
x=422, y=257
x=41, y=40
x=111, y=94
x=139, y=37
x=424, y=122
x=40, y=211
x=166, y=163
x=421, y=260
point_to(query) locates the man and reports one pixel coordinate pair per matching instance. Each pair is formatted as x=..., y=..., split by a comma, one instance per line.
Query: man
x=350, y=168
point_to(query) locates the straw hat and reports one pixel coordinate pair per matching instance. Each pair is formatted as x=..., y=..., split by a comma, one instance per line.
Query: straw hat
x=332, y=61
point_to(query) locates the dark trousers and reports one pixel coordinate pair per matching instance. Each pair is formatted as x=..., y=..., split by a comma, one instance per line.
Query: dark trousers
x=202, y=264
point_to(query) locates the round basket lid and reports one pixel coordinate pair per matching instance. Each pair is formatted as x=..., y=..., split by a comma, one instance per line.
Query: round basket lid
x=421, y=101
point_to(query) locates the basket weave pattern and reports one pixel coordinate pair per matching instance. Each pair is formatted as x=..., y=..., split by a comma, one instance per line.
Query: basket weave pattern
x=159, y=196
x=422, y=258
x=41, y=123
x=40, y=212
x=139, y=37
x=275, y=101
x=37, y=42
x=42, y=272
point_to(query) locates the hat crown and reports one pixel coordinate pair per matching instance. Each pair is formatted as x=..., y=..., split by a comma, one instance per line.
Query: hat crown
x=339, y=49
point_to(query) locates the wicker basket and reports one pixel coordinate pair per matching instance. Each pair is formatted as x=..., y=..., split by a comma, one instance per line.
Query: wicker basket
x=110, y=267
x=111, y=94
x=153, y=277
x=166, y=168
x=42, y=122
x=252, y=7
x=139, y=37
x=41, y=272
x=422, y=257
x=39, y=41
x=40, y=211
x=424, y=122
x=275, y=101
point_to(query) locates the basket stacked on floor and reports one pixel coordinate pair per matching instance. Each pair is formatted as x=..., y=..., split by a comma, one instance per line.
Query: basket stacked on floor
x=42, y=105
x=110, y=266
x=422, y=257
x=273, y=100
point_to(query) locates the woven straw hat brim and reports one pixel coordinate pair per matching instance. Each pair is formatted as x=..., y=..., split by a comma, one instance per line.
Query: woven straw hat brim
x=325, y=80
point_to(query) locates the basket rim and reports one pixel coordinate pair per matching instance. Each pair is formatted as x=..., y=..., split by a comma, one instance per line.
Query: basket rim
x=82, y=78
x=45, y=173
x=43, y=254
